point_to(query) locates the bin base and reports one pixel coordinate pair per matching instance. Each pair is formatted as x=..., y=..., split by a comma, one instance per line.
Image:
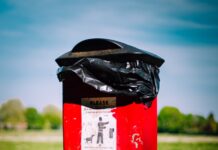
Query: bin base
x=135, y=129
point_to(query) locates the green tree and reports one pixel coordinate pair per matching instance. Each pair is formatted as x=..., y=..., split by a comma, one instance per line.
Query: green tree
x=52, y=116
x=194, y=124
x=211, y=125
x=34, y=119
x=217, y=128
x=12, y=114
x=171, y=120
x=1, y=119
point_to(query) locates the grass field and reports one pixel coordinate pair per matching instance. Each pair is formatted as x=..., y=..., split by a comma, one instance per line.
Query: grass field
x=187, y=142
x=187, y=146
x=6, y=145
x=58, y=146
x=52, y=140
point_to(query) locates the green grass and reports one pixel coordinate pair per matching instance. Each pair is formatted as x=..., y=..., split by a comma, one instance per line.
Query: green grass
x=30, y=146
x=209, y=142
x=30, y=132
x=58, y=146
x=187, y=146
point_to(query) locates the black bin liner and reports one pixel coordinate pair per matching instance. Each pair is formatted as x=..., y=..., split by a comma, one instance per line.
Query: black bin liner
x=128, y=73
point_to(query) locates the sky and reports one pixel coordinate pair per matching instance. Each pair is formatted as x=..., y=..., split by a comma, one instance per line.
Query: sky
x=185, y=33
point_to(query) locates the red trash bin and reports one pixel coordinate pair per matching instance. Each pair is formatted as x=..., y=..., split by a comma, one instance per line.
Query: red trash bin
x=109, y=102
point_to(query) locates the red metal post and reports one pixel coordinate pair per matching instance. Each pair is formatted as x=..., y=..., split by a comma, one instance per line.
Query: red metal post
x=135, y=125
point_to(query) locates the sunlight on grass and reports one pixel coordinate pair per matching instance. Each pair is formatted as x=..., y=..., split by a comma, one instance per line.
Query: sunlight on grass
x=30, y=146
x=52, y=140
x=59, y=146
x=187, y=146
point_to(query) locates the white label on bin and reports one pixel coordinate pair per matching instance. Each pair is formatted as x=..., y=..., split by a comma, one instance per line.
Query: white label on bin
x=98, y=124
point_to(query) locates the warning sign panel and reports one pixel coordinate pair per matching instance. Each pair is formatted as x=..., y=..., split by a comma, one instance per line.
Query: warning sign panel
x=98, y=124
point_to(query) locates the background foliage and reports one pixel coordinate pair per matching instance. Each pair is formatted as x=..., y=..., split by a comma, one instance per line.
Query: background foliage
x=13, y=115
x=171, y=120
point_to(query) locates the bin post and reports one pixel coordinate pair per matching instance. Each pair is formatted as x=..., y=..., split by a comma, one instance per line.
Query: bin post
x=105, y=105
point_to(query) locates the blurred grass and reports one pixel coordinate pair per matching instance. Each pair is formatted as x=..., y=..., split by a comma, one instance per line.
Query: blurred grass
x=186, y=138
x=30, y=146
x=30, y=132
x=31, y=140
x=187, y=146
x=59, y=146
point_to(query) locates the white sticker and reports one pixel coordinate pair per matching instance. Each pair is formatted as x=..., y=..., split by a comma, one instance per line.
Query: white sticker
x=98, y=124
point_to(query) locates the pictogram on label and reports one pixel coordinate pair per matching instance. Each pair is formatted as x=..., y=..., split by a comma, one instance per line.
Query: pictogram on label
x=98, y=124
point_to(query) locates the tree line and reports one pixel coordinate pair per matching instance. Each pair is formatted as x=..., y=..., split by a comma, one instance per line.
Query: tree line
x=13, y=115
x=171, y=120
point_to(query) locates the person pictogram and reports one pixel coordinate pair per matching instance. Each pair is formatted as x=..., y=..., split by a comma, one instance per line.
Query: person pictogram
x=101, y=127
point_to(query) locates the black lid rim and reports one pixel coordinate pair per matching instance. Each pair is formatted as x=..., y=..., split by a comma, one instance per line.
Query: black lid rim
x=121, y=49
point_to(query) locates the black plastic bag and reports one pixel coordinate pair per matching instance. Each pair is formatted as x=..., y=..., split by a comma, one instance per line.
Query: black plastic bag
x=131, y=78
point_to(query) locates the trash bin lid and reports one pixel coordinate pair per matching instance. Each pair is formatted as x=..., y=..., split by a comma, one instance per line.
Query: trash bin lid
x=108, y=50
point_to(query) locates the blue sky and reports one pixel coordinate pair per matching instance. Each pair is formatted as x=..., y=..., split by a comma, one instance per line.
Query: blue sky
x=185, y=33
